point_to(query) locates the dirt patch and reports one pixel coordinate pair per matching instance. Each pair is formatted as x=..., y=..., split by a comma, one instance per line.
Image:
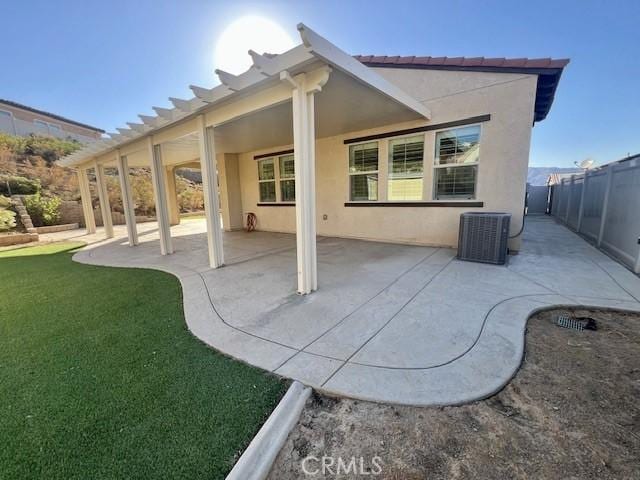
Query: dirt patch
x=572, y=411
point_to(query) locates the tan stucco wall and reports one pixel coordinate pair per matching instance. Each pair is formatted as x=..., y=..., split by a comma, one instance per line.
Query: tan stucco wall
x=230, y=191
x=451, y=96
x=28, y=116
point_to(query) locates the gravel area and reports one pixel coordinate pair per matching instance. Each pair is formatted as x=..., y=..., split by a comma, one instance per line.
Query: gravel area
x=572, y=411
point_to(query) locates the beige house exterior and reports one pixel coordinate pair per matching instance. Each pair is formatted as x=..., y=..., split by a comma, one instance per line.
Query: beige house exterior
x=22, y=120
x=316, y=142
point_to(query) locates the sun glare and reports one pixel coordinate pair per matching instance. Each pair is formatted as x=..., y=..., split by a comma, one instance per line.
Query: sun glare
x=250, y=32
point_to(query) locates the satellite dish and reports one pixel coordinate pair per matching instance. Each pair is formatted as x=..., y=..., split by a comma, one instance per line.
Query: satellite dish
x=585, y=164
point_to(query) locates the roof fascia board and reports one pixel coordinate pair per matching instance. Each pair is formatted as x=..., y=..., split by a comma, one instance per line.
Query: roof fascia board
x=331, y=54
x=467, y=68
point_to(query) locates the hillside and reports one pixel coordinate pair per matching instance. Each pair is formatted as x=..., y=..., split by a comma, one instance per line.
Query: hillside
x=28, y=166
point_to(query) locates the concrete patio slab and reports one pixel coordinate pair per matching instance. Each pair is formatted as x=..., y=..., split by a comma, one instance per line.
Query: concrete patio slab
x=390, y=323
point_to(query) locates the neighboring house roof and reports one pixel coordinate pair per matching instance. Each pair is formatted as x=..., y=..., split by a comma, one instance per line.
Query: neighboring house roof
x=548, y=71
x=555, y=178
x=52, y=115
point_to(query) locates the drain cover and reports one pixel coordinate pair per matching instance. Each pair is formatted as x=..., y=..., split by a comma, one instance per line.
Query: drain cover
x=580, y=324
x=565, y=321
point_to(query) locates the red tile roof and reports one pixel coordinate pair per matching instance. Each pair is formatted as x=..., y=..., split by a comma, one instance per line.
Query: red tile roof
x=548, y=70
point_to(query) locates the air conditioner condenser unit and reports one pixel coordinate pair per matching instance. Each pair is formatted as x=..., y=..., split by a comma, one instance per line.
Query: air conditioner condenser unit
x=483, y=237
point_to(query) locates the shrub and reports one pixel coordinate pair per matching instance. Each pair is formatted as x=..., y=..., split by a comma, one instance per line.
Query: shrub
x=142, y=192
x=190, y=195
x=7, y=220
x=7, y=217
x=42, y=210
x=14, y=185
x=49, y=148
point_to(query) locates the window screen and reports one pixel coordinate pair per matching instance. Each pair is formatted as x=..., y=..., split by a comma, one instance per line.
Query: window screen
x=406, y=168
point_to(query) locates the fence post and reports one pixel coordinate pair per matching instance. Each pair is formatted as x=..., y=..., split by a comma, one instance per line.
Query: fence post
x=582, y=196
x=605, y=204
x=566, y=215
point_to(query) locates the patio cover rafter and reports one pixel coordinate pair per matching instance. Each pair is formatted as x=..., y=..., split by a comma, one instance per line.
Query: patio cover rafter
x=264, y=72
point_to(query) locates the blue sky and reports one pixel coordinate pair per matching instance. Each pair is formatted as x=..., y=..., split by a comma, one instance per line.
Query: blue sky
x=105, y=62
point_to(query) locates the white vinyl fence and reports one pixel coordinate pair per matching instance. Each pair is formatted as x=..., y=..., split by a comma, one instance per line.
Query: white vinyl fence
x=604, y=205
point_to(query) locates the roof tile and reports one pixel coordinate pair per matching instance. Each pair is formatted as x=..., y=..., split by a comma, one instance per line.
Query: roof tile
x=436, y=61
x=547, y=69
x=538, y=62
x=472, y=61
x=515, y=62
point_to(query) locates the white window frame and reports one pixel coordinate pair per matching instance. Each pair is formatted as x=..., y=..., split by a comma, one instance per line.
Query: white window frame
x=277, y=179
x=435, y=166
x=285, y=179
x=388, y=170
x=350, y=173
x=13, y=119
x=37, y=122
x=274, y=180
x=55, y=125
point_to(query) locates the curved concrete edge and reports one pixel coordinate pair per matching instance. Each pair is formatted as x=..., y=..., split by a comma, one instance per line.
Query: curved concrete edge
x=482, y=372
x=203, y=321
x=256, y=461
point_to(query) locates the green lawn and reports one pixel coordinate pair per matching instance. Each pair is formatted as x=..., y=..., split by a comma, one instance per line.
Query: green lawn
x=100, y=378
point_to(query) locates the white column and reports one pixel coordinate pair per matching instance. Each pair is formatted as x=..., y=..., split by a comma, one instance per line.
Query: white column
x=127, y=200
x=605, y=204
x=305, y=167
x=85, y=197
x=172, y=195
x=160, y=195
x=103, y=196
x=209, y=169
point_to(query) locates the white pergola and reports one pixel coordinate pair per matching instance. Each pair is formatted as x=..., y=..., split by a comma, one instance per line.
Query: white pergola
x=271, y=104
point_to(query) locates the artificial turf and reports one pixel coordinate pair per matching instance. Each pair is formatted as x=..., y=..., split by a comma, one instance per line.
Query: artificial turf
x=100, y=378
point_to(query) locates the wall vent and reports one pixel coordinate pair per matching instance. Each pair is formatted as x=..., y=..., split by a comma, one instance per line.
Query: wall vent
x=483, y=237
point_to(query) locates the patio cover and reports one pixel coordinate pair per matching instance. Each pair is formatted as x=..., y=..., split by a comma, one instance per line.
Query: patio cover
x=256, y=109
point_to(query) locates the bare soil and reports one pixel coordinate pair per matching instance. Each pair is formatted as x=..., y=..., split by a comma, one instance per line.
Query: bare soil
x=572, y=411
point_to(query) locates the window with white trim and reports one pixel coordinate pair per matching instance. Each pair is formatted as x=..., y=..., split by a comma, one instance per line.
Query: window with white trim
x=363, y=172
x=456, y=163
x=287, y=178
x=41, y=127
x=6, y=122
x=55, y=130
x=406, y=168
x=267, y=180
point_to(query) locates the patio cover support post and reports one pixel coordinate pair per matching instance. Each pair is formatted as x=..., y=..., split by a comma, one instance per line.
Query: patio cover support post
x=127, y=199
x=103, y=196
x=172, y=195
x=160, y=195
x=605, y=204
x=304, y=145
x=209, y=169
x=85, y=197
